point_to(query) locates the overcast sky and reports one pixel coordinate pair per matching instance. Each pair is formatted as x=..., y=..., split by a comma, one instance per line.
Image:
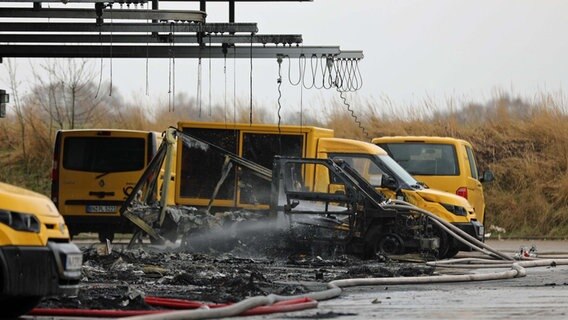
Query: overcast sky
x=414, y=50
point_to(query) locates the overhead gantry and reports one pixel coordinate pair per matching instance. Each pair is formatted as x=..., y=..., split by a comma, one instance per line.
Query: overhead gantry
x=142, y=30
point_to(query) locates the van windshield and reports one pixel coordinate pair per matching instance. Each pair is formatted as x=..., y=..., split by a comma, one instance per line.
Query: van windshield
x=424, y=158
x=372, y=167
x=399, y=171
x=96, y=154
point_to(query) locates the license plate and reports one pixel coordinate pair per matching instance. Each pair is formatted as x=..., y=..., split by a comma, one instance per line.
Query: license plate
x=73, y=262
x=101, y=209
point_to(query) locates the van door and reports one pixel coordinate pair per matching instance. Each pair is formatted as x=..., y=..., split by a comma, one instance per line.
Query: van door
x=97, y=171
x=474, y=187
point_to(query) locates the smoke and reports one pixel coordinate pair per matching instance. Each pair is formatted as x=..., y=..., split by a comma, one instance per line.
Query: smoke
x=249, y=237
x=283, y=234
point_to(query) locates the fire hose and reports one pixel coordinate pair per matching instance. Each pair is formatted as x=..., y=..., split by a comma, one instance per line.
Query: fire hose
x=278, y=307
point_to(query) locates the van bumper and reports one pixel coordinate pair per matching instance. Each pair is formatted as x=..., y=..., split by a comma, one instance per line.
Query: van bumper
x=474, y=229
x=86, y=223
x=40, y=271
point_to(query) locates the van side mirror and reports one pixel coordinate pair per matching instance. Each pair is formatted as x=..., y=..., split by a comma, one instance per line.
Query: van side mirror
x=388, y=182
x=487, y=176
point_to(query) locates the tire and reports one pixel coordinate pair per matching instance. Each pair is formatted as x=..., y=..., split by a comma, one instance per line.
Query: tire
x=390, y=244
x=104, y=235
x=378, y=241
x=13, y=307
x=444, y=244
x=452, y=251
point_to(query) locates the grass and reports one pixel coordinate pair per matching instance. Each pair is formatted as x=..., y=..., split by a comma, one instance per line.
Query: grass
x=525, y=144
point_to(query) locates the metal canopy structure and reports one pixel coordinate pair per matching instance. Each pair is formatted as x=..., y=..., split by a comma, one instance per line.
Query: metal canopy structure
x=106, y=31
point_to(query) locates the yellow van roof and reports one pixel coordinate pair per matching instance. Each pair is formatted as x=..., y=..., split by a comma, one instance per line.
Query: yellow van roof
x=94, y=130
x=425, y=139
x=331, y=145
x=263, y=127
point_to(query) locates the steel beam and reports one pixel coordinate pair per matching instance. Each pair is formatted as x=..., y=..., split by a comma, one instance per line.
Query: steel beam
x=144, y=1
x=128, y=27
x=73, y=51
x=161, y=38
x=120, y=14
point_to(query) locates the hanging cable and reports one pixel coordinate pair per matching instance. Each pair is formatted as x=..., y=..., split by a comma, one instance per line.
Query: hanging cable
x=359, y=75
x=354, y=80
x=279, y=82
x=173, y=58
x=235, y=133
x=170, y=53
x=304, y=78
x=234, y=85
x=348, y=76
x=225, y=91
x=101, y=70
x=325, y=72
x=199, y=85
x=295, y=83
x=315, y=71
x=250, y=112
x=210, y=75
x=301, y=107
x=147, y=51
x=338, y=80
x=349, y=108
x=110, y=51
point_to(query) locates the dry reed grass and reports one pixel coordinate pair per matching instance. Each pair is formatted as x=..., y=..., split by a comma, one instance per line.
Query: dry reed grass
x=524, y=143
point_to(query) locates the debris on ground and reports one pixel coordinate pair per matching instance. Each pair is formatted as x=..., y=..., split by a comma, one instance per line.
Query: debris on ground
x=122, y=278
x=526, y=252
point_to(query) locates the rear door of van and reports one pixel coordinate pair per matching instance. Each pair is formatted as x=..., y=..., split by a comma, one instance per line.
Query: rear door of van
x=94, y=172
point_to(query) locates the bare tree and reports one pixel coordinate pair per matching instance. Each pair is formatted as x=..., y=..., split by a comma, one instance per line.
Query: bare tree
x=68, y=92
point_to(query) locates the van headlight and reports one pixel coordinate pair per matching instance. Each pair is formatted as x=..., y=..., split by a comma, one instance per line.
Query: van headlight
x=457, y=210
x=20, y=221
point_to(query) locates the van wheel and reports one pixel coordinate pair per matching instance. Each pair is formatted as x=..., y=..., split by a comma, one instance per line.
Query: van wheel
x=378, y=241
x=452, y=251
x=444, y=244
x=390, y=244
x=14, y=307
x=104, y=235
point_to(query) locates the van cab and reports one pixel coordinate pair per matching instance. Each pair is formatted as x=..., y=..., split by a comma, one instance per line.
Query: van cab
x=94, y=171
x=442, y=163
x=36, y=256
x=391, y=179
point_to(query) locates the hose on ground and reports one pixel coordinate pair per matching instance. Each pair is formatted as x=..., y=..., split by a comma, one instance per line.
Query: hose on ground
x=459, y=234
x=278, y=307
x=66, y=312
x=483, y=263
